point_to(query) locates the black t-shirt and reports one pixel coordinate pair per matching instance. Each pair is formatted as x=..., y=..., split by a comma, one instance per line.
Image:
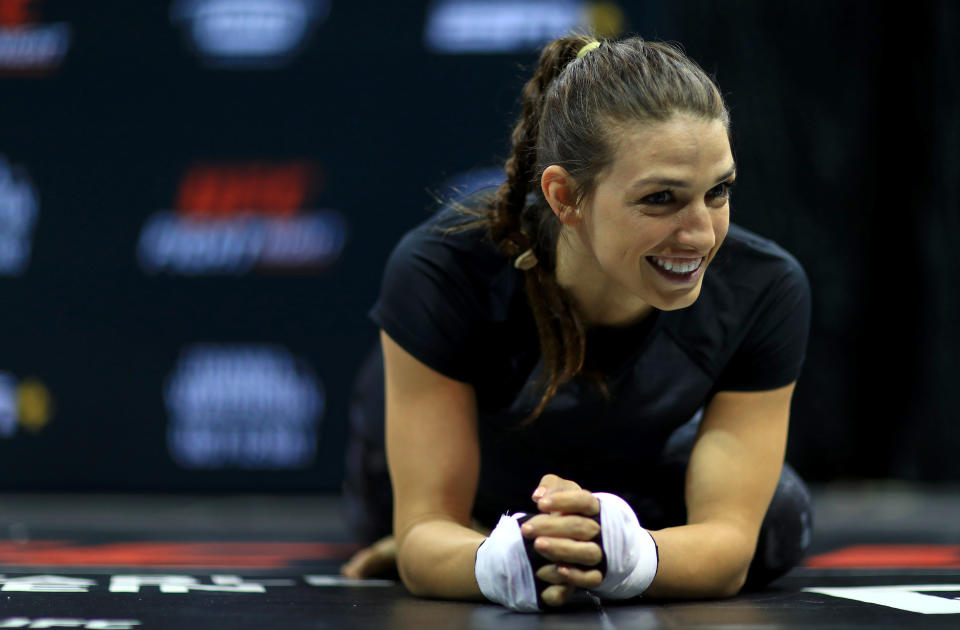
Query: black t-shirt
x=454, y=302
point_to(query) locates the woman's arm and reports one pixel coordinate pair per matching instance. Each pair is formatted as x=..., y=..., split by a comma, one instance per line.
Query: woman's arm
x=434, y=461
x=732, y=475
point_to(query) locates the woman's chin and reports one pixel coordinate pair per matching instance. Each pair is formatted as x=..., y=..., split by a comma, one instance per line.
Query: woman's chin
x=675, y=302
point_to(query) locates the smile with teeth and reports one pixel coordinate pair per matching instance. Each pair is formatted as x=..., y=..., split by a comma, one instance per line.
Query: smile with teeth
x=680, y=266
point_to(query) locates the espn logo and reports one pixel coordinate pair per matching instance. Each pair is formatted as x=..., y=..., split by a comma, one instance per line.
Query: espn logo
x=238, y=218
x=219, y=191
x=26, y=46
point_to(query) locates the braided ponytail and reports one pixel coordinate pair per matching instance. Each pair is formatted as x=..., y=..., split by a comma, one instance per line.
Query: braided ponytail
x=505, y=223
x=516, y=228
x=566, y=115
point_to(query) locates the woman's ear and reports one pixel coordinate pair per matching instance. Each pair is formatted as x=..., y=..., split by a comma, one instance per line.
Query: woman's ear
x=559, y=190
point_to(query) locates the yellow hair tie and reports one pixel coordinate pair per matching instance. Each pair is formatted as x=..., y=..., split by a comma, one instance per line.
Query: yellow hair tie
x=587, y=48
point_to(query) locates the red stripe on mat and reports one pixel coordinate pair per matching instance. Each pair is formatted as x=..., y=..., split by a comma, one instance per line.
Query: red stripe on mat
x=240, y=555
x=889, y=556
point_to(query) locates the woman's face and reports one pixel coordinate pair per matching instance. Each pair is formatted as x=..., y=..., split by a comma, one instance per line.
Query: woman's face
x=660, y=212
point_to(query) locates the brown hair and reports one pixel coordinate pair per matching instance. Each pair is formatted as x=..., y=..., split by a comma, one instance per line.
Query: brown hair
x=570, y=110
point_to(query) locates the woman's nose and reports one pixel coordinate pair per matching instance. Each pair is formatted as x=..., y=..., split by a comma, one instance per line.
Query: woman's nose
x=695, y=227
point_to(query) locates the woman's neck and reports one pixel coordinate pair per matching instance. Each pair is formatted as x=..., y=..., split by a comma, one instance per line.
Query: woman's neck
x=601, y=299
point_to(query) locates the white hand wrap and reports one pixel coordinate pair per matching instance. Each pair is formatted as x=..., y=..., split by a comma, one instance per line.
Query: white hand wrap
x=503, y=570
x=630, y=550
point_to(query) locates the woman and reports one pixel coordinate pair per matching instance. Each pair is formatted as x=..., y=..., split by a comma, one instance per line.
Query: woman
x=589, y=333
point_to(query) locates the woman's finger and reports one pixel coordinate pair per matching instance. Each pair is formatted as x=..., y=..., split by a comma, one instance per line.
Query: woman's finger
x=557, y=594
x=561, y=526
x=566, y=551
x=562, y=574
x=377, y=559
x=356, y=566
x=550, y=484
x=570, y=502
x=549, y=573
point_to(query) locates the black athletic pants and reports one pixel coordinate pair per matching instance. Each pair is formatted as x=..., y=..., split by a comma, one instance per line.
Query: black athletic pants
x=784, y=535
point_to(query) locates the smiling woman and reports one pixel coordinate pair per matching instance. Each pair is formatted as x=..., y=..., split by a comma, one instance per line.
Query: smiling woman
x=593, y=322
x=655, y=221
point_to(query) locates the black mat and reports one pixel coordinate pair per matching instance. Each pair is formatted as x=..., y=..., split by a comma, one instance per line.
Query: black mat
x=215, y=572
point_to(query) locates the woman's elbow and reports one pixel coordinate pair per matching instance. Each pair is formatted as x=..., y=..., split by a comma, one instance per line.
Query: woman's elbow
x=732, y=586
x=408, y=573
x=729, y=582
x=736, y=557
x=721, y=587
x=414, y=588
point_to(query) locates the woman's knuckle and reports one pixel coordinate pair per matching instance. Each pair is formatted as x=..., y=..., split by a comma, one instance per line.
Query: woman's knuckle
x=553, y=595
x=548, y=573
x=583, y=581
x=590, y=554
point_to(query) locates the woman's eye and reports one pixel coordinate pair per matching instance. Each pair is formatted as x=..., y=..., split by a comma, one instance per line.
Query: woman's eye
x=722, y=190
x=658, y=198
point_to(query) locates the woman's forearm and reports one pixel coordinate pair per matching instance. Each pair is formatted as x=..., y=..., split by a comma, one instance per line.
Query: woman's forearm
x=704, y=560
x=436, y=558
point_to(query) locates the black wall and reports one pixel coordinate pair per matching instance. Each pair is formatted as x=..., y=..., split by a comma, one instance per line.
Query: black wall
x=846, y=127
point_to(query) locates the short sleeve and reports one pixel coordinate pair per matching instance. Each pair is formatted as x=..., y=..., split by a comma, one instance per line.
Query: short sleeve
x=772, y=352
x=428, y=304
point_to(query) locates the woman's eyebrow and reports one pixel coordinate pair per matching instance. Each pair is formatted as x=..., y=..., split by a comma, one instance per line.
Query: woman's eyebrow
x=728, y=174
x=678, y=183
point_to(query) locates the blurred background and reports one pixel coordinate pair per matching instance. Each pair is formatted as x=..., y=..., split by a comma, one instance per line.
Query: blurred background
x=197, y=198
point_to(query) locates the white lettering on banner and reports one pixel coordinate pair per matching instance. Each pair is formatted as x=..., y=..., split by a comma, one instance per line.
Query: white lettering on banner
x=187, y=583
x=253, y=406
x=908, y=598
x=52, y=622
x=236, y=245
x=46, y=584
x=499, y=26
x=8, y=405
x=18, y=214
x=33, y=47
x=170, y=584
x=248, y=33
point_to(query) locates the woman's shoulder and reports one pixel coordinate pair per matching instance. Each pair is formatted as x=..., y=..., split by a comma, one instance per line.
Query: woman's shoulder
x=750, y=325
x=748, y=263
x=454, y=240
x=444, y=284
x=751, y=279
x=451, y=258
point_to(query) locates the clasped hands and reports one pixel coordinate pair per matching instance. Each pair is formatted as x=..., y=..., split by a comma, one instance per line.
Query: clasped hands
x=563, y=533
x=566, y=535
